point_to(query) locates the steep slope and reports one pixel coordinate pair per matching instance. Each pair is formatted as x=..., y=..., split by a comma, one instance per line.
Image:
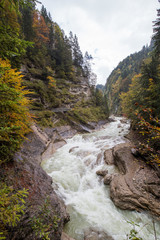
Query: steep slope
x=120, y=78
x=57, y=73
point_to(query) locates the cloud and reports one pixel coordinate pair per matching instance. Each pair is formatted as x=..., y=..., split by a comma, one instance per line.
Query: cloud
x=109, y=30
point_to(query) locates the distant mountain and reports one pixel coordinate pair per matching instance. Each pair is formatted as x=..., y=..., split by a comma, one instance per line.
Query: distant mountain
x=100, y=87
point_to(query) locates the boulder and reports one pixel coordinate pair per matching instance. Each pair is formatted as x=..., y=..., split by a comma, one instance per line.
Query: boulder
x=107, y=179
x=108, y=157
x=124, y=120
x=135, y=152
x=99, y=158
x=94, y=234
x=137, y=186
x=66, y=131
x=102, y=172
x=72, y=149
x=80, y=127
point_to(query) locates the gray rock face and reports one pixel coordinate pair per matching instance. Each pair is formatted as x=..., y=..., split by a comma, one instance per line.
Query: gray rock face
x=25, y=172
x=137, y=186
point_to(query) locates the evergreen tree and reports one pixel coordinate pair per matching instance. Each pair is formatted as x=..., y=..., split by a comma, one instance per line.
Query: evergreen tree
x=87, y=65
x=77, y=54
x=51, y=36
x=47, y=16
x=27, y=11
x=67, y=58
x=156, y=36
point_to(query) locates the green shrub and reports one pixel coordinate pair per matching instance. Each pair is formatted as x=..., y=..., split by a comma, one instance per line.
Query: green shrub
x=12, y=207
x=45, y=118
x=88, y=114
x=45, y=221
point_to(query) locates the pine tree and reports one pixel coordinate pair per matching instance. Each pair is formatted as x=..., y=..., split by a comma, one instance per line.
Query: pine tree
x=156, y=36
x=47, y=16
x=77, y=54
x=87, y=65
x=27, y=11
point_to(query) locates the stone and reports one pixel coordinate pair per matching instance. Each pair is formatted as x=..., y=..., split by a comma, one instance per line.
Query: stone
x=107, y=179
x=51, y=149
x=124, y=120
x=66, y=131
x=72, y=149
x=102, y=172
x=95, y=234
x=135, y=152
x=108, y=157
x=99, y=158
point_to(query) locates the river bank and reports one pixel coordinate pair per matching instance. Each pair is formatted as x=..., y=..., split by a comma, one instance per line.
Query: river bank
x=74, y=167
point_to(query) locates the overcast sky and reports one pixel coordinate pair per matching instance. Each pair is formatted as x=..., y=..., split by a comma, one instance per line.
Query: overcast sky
x=109, y=30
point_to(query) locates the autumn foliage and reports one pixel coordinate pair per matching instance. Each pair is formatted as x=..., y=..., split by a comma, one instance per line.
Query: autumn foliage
x=40, y=28
x=14, y=114
x=149, y=127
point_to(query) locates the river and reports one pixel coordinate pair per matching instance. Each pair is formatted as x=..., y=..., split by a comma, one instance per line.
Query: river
x=73, y=168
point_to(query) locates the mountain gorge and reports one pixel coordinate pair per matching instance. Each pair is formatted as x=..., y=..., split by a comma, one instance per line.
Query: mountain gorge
x=48, y=100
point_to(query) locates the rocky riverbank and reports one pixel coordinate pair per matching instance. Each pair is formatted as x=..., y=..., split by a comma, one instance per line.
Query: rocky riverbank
x=137, y=185
x=25, y=172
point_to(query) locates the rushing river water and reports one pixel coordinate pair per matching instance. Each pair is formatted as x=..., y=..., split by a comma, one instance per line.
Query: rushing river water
x=73, y=168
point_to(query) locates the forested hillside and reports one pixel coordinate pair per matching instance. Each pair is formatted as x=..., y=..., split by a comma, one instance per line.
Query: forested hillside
x=54, y=68
x=121, y=77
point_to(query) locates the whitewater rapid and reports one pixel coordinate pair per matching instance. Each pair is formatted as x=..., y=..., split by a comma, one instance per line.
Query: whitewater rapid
x=73, y=170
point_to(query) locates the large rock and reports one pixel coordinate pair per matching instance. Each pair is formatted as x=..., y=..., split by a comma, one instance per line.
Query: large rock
x=107, y=179
x=137, y=186
x=94, y=234
x=102, y=173
x=42, y=144
x=108, y=157
x=66, y=131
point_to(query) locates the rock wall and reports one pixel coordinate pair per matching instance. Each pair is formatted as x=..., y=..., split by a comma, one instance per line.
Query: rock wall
x=137, y=185
x=25, y=172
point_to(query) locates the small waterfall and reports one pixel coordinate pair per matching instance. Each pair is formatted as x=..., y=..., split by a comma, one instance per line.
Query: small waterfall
x=73, y=168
